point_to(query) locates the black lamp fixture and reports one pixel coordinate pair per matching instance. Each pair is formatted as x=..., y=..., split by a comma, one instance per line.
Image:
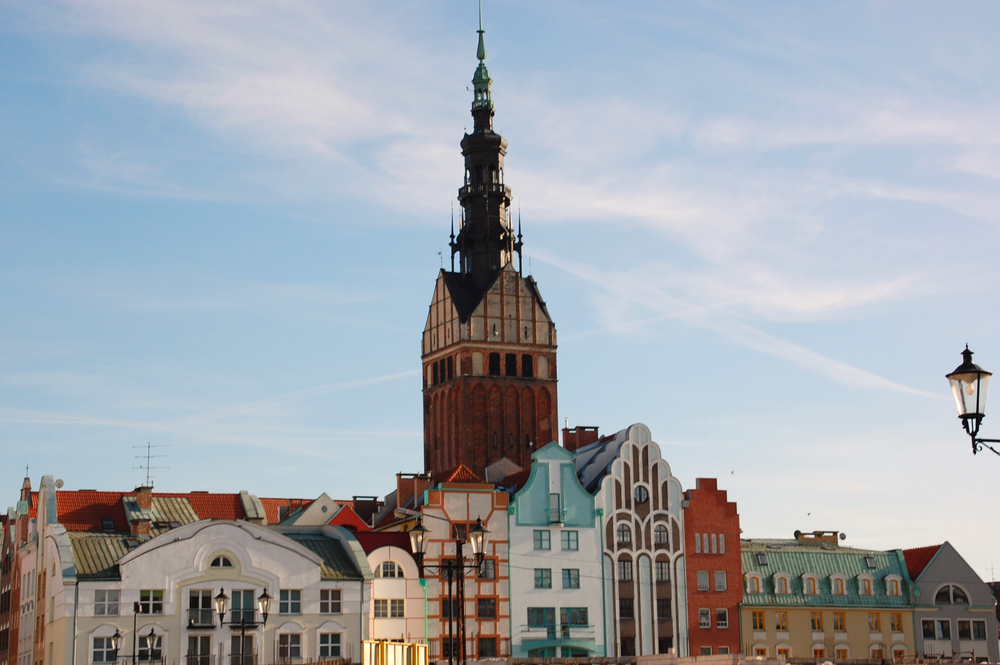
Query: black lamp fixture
x=453, y=570
x=263, y=606
x=116, y=641
x=969, y=384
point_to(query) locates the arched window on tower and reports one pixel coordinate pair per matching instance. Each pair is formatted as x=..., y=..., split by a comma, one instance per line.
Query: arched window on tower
x=494, y=364
x=527, y=367
x=479, y=174
x=511, y=364
x=435, y=374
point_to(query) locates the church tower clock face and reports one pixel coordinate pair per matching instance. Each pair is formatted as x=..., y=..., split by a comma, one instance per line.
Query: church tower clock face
x=489, y=344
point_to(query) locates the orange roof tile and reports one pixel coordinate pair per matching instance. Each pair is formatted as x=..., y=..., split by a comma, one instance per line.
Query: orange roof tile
x=86, y=510
x=918, y=558
x=272, y=507
x=458, y=474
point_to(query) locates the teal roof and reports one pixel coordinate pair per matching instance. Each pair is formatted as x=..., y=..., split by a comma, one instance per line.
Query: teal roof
x=823, y=559
x=337, y=561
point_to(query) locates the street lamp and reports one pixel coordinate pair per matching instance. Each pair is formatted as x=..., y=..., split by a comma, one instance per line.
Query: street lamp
x=116, y=642
x=453, y=570
x=263, y=606
x=969, y=383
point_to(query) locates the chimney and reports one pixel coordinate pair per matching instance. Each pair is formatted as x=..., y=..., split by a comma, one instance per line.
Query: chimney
x=409, y=485
x=144, y=497
x=140, y=512
x=366, y=506
x=579, y=436
x=829, y=537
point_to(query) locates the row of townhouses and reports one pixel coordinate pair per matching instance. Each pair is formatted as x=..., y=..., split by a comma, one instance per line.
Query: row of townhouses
x=593, y=550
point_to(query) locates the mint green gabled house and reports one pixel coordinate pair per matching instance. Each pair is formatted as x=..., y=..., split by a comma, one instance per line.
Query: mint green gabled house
x=556, y=584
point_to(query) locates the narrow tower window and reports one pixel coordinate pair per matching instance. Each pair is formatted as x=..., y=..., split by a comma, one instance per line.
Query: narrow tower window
x=435, y=374
x=510, y=360
x=527, y=367
x=494, y=364
x=451, y=367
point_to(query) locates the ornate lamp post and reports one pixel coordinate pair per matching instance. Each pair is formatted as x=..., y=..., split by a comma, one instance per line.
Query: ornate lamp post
x=453, y=570
x=969, y=383
x=263, y=606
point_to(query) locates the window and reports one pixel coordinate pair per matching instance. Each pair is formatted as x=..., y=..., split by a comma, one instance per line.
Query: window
x=664, y=644
x=449, y=610
x=816, y=620
x=542, y=539
x=758, y=620
x=781, y=585
x=555, y=513
x=781, y=620
x=150, y=648
x=329, y=602
x=571, y=578
x=624, y=534
x=494, y=363
x=625, y=571
x=660, y=536
x=663, y=608
x=662, y=571
x=104, y=651
x=753, y=585
x=641, y=494
x=329, y=645
x=199, y=650
x=874, y=622
x=943, y=629
x=381, y=607
x=573, y=616
x=106, y=602
x=950, y=594
x=877, y=653
x=510, y=362
x=697, y=543
x=840, y=622
x=570, y=540
x=221, y=562
x=760, y=652
x=290, y=601
x=870, y=562
x=898, y=654
x=704, y=618
x=979, y=630
x=488, y=645
x=784, y=652
x=723, y=650
x=706, y=651
x=541, y=617
x=840, y=653
x=838, y=587
x=927, y=629
x=290, y=645
x=627, y=645
x=720, y=580
x=486, y=608
x=396, y=608
x=866, y=587
x=819, y=652
x=896, y=622
x=893, y=588
x=762, y=558
x=722, y=549
x=964, y=630
x=703, y=580
x=810, y=586
x=243, y=607
x=449, y=647
x=151, y=601
x=543, y=578
x=527, y=368
x=722, y=618
x=459, y=530
x=388, y=569
x=488, y=570
x=626, y=608
x=715, y=547
x=200, y=612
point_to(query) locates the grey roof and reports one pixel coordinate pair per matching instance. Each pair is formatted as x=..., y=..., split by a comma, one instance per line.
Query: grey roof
x=337, y=562
x=97, y=554
x=594, y=460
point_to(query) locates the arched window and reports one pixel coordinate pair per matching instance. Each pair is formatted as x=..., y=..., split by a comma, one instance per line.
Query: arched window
x=388, y=569
x=661, y=536
x=624, y=533
x=810, y=586
x=838, y=587
x=781, y=585
x=753, y=585
x=221, y=562
x=866, y=587
x=893, y=588
x=950, y=594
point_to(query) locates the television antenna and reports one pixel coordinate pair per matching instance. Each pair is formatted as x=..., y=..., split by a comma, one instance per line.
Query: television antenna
x=148, y=457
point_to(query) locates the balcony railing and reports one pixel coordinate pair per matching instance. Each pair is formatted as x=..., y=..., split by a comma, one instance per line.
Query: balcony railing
x=201, y=618
x=484, y=188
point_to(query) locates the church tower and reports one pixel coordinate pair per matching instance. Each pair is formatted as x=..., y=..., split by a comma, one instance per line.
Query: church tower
x=489, y=345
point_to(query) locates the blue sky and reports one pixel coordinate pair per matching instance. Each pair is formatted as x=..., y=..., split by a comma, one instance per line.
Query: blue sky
x=766, y=231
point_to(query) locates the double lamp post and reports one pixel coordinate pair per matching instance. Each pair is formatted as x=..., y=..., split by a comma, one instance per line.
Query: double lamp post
x=453, y=570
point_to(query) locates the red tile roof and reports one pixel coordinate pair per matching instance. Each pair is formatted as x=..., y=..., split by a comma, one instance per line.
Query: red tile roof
x=515, y=481
x=86, y=510
x=348, y=518
x=918, y=558
x=458, y=474
x=213, y=506
x=372, y=540
x=272, y=507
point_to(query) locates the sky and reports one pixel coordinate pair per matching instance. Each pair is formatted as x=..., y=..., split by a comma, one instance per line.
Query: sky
x=766, y=231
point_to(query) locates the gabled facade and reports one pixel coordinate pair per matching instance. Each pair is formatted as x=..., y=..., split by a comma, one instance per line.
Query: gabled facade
x=643, y=542
x=954, y=615
x=811, y=598
x=556, y=584
x=397, y=592
x=714, y=569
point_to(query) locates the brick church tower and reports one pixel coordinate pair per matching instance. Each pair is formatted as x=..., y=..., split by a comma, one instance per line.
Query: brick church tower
x=489, y=345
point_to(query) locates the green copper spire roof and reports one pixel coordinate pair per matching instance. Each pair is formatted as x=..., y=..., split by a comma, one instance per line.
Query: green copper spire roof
x=481, y=79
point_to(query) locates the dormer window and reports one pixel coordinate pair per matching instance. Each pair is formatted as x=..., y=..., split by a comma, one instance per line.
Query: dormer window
x=865, y=586
x=893, y=585
x=782, y=583
x=753, y=583
x=838, y=585
x=762, y=558
x=809, y=585
x=221, y=562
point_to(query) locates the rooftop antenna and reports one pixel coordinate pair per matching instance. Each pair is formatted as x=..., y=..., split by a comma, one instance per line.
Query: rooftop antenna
x=25, y=470
x=452, y=243
x=441, y=257
x=149, y=456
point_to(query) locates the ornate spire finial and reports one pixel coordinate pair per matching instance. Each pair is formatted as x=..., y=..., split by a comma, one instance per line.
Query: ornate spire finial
x=481, y=51
x=481, y=79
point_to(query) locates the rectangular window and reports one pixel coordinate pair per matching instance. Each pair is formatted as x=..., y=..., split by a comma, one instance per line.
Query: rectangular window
x=458, y=529
x=555, y=514
x=703, y=580
x=199, y=650
x=151, y=601
x=488, y=571
x=722, y=618
x=449, y=610
x=570, y=540
x=840, y=653
x=104, y=650
x=150, y=648
x=662, y=571
x=723, y=650
x=704, y=618
x=626, y=608
x=486, y=608
x=722, y=550
x=964, y=630
x=697, y=543
x=715, y=547
x=896, y=622
x=664, y=644
x=541, y=617
x=784, y=653
x=758, y=620
x=527, y=367
x=625, y=571
x=494, y=364
x=449, y=647
x=573, y=616
x=329, y=645
x=762, y=558
x=542, y=539
x=899, y=654
x=329, y=603
x=979, y=630
x=706, y=651
x=571, y=578
x=704, y=543
x=381, y=608
x=781, y=620
x=874, y=622
x=243, y=606
x=397, y=608
x=543, y=578
x=839, y=622
x=510, y=362
x=200, y=612
x=488, y=645
x=290, y=645
x=927, y=629
x=816, y=620
x=662, y=608
x=106, y=603
x=943, y=629
x=720, y=580
x=760, y=652
x=290, y=601
x=819, y=652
